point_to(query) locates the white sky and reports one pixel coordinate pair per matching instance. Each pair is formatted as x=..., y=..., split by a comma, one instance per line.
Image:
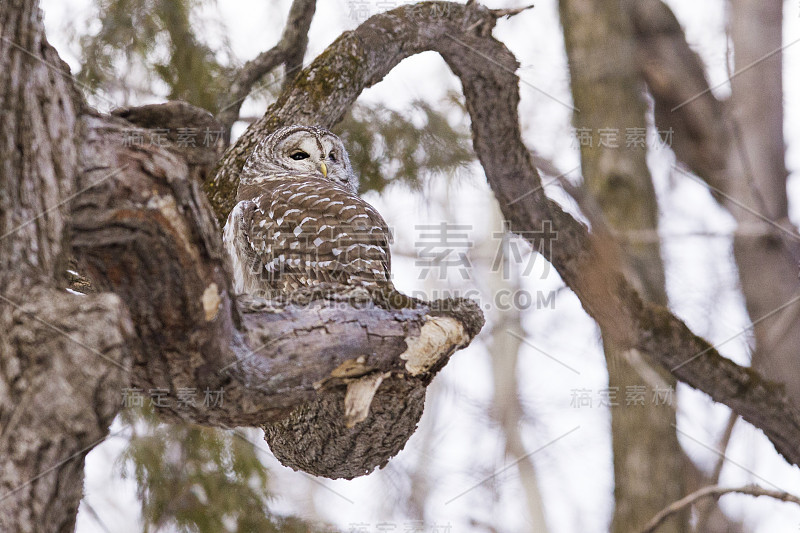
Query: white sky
x=575, y=472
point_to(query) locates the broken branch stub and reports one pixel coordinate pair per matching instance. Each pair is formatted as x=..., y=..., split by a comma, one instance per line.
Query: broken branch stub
x=365, y=412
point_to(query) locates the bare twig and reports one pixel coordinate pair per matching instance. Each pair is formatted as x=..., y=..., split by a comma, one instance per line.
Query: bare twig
x=715, y=492
x=498, y=13
x=704, y=512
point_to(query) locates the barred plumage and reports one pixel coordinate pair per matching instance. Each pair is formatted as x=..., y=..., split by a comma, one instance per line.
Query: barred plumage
x=299, y=221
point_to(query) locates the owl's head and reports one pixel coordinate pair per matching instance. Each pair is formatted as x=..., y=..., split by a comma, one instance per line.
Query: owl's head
x=306, y=149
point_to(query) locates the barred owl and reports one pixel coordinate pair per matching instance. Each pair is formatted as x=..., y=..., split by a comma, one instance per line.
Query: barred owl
x=299, y=221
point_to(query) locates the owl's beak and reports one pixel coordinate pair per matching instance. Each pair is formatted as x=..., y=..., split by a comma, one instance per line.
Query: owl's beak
x=323, y=168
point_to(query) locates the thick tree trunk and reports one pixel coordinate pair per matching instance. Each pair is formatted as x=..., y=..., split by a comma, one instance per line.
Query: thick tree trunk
x=63, y=358
x=607, y=89
x=768, y=263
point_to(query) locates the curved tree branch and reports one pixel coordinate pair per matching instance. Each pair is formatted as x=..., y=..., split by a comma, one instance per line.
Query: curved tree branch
x=606, y=87
x=485, y=67
x=151, y=240
x=140, y=225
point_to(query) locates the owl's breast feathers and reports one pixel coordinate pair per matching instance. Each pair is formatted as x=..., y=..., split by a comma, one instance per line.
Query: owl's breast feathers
x=299, y=233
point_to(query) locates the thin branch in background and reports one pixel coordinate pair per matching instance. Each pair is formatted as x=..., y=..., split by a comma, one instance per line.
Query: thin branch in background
x=704, y=511
x=507, y=337
x=87, y=507
x=715, y=492
x=723, y=447
x=289, y=51
x=295, y=38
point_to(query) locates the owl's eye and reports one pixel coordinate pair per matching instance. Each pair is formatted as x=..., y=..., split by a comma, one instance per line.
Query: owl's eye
x=297, y=156
x=332, y=157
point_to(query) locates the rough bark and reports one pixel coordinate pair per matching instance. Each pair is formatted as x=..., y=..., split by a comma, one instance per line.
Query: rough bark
x=737, y=148
x=587, y=265
x=170, y=119
x=152, y=241
x=606, y=87
x=62, y=357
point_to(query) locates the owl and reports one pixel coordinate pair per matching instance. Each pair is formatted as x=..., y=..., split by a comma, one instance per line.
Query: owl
x=299, y=222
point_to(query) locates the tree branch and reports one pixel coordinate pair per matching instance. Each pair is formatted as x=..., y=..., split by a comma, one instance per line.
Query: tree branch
x=295, y=37
x=289, y=51
x=587, y=266
x=715, y=492
x=606, y=87
x=142, y=229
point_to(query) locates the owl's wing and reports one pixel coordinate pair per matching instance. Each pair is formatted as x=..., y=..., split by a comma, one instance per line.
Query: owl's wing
x=310, y=231
x=236, y=239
